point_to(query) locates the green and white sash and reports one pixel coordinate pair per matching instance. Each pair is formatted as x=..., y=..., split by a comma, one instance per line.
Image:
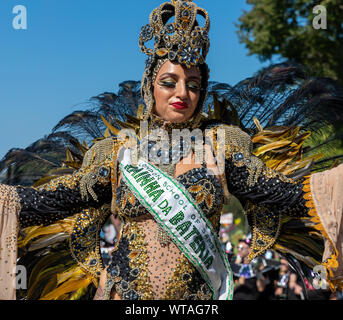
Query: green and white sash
x=174, y=210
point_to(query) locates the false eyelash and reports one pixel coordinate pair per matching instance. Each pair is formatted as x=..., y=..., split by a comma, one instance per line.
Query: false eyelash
x=172, y=85
x=167, y=84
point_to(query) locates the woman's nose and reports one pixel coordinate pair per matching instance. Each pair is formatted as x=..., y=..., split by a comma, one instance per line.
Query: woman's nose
x=181, y=91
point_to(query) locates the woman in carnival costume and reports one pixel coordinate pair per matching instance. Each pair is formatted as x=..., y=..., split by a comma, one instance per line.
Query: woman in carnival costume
x=169, y=192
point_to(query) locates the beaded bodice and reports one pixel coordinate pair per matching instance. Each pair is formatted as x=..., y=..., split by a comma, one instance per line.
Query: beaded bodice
x=203, y=187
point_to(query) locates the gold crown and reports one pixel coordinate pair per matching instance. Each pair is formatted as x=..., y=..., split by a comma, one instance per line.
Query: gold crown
x=182, y=40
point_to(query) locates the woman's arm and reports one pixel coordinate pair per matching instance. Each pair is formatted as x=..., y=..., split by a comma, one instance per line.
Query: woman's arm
x=65, y=196
x=250, y=180
x=9, y=210
x=104, y=291
x=100, y=292
x=266, y=194
x=89, y=187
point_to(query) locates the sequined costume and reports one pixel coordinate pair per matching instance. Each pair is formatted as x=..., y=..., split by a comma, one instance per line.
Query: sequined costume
x=145, y=266
x=145, y=263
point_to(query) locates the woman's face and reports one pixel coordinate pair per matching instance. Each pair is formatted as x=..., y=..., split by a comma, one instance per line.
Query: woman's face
x=243, y=249
x=176, y=92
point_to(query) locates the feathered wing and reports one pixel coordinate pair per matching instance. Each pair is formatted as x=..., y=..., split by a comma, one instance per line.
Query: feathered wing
x=284, y=97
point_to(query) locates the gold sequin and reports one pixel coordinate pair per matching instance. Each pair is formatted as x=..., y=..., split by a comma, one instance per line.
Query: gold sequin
x=209, y=200
x=134, y=254
x=200, y=197
x=123, y=203
x=195, y=189
x=131, y=198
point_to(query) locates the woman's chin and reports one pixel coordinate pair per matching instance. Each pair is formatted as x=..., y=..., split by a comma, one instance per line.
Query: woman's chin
x=178, y=116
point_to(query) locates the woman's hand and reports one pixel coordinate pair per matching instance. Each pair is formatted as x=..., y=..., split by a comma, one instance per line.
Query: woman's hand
x=99, y=295
x=279, y=291
x=241, y=280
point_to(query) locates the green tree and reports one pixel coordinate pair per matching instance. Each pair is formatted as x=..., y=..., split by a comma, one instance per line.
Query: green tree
x=285, y=28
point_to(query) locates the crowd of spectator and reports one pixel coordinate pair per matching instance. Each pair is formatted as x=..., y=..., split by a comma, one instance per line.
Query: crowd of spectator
x=271, y=277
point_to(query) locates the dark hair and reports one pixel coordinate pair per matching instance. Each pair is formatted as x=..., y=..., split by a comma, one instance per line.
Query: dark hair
x=246, y=241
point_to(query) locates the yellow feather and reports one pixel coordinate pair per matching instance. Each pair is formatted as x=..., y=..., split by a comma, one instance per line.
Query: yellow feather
x=73, y=273
x=210, y=113
x=127, y=125
x=107, y=133
x=271, y=146
x=42, y=276
x=67, y=287
x=85, y=145
x=73, y=164
x=43, y=180
x=78, y=294
x=114, y=130
x=51, y=285
x=65, y=225
x=46, y=262
x=70, y=157
x=258, y=124
x=302, y=163
x=140, y=112
x=132, y=120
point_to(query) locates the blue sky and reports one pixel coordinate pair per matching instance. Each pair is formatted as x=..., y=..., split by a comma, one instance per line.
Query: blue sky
x=75, y=49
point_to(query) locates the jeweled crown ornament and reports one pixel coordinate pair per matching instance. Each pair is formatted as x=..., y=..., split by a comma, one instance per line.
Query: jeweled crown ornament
x=182, y=40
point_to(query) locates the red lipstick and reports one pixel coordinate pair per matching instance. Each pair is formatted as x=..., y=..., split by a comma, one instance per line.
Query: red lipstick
x=180, y=105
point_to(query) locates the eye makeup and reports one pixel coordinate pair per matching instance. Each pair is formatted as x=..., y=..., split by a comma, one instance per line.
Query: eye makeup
x=171, y=83
x=167, y=82
x=193, y=85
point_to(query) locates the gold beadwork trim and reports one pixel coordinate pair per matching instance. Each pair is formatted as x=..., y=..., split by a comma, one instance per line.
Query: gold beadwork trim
x=98, y=217
x=140, y=260
x=258, y=234
x=114, y=173
x=177, y=285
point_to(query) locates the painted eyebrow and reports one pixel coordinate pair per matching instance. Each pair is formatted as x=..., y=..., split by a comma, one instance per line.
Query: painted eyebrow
x=173, y=75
